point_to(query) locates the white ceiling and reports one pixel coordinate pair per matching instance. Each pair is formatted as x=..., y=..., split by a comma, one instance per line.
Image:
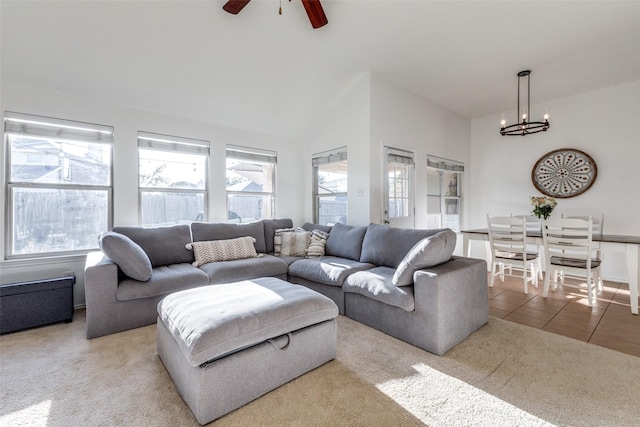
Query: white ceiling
x=275, y=74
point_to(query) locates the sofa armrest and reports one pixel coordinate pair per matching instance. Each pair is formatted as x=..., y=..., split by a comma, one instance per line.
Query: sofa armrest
x=452, y=299
x=100, y=285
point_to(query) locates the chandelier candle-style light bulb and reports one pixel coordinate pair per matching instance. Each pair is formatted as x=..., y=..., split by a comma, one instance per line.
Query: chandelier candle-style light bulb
x=524, y=128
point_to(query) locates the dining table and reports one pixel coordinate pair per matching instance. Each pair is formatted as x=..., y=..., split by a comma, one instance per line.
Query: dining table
x=628, y=245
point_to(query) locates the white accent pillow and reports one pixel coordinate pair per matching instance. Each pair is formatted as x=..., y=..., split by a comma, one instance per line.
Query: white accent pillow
x=277, y=239
x=223, y=250
x=428, y=252
x=295, y=243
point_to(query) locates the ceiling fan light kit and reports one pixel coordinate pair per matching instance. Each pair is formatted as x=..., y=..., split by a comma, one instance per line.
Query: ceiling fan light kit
x=524, y=127
x=314, y=10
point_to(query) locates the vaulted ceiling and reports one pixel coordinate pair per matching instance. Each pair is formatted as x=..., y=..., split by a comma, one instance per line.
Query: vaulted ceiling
x=274, y=74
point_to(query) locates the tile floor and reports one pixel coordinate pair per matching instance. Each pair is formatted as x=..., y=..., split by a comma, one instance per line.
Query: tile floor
x=566, y=312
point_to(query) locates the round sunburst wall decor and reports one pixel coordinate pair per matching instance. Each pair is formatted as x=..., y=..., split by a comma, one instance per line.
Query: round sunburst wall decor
x=564, y=173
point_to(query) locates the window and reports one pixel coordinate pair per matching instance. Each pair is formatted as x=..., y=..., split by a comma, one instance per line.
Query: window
x=59, y=184
x=399, y=209
x=172, y=179
x=250, y=184
x=330, y=187
x=444, y=196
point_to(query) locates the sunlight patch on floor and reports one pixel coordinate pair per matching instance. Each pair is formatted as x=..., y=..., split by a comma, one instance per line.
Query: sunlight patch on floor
x=438, y=399
x=33, y=416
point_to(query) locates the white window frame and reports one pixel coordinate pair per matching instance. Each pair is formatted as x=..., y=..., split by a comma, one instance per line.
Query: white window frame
x=395, y=156
x=57, y=131
x=333, y=156
x=438, y=167
x=254, y=155
x=160, y=142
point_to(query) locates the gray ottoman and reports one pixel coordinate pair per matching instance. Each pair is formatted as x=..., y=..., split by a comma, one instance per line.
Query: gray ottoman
x=226, y=345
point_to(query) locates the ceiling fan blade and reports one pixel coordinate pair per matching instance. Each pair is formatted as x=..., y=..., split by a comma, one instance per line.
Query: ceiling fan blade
x=315, y=13
x=235, y=6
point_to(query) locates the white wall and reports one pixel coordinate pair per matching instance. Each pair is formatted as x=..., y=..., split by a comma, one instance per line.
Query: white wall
x=377, y=112
x=347, y=125
x=127, y=122
x=405, y=120
x=601, y=123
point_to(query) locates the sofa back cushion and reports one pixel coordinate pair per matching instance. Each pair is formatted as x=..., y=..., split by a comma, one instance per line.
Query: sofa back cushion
x=206, y=231
x=386, y=246
x=163, y=245
x=130, y=257
x=345, y=241
x=270, y=227
x=427, y=253
x=310, y=227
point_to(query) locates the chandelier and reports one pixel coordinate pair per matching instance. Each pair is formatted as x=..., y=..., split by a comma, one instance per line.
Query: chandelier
x=524, y=127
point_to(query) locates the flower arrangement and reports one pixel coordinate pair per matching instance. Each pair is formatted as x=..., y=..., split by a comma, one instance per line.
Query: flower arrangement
x=543, y=206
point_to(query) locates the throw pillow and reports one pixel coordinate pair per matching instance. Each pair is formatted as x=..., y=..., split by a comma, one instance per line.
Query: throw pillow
x=277, y=239
x=317, y=243
x=127, y=254
x=428, y=252
x=295, y=243
x=223, y=250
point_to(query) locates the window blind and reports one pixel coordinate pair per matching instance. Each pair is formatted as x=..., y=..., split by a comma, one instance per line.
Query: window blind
x=156, y=141
x=444, y=164
x=57, y=129
x=399, y=156
x=248, y=155
x=334, y=157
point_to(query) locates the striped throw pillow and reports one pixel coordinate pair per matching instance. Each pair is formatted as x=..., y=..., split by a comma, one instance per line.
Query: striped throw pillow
x=223, y=250
x=316, y=244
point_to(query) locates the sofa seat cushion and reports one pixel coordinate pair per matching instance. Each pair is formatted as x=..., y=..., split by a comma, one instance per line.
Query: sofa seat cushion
x=327, y=270
x=377, y=284
x=290, y=259
x=164, y=280
x=213, y=321
x=242, y=269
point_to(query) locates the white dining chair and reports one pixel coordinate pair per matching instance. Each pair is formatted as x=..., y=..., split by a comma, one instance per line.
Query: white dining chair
x=533, y=224
x=507, y=240
x=598, y=221
x=569, y=252
x=598, y=228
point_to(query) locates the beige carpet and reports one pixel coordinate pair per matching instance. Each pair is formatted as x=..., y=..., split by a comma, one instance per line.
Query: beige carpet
x=503, y=375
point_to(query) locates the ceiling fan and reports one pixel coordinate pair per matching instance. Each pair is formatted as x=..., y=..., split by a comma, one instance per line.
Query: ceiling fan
x=313, y=8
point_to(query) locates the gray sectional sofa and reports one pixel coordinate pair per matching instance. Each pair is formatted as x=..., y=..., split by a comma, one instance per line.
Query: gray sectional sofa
x=402, y=282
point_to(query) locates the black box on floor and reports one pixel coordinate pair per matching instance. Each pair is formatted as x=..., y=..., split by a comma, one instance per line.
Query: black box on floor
x=36, y=303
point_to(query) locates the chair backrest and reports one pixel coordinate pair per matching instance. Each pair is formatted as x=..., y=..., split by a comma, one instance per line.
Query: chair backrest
x=598, y=222
x=507, y=234
x=532, y=222
x=568, y=238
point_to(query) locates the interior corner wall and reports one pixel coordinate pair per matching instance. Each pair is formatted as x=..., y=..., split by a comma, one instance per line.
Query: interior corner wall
x=347, y=125
x=601, y=123
x=403, y=119
x=127, y=122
